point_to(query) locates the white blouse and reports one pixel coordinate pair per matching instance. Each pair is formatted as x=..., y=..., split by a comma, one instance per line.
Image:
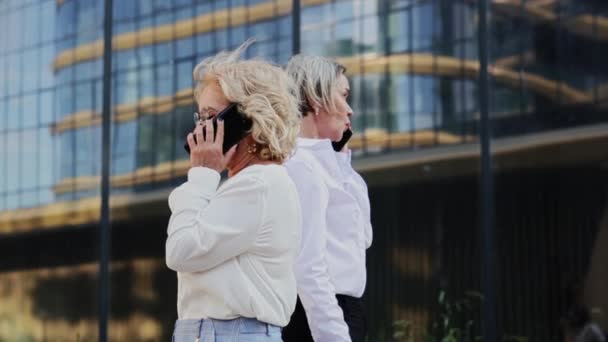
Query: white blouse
x=336, y=232
x=233, y=247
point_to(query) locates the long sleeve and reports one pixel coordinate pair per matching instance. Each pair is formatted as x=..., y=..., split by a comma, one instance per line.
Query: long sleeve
x=345, y=160
x=315, y=288
x=369, y=234
x=209, y=226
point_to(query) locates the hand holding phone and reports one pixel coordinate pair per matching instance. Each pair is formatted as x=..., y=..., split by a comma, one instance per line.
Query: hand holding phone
x=236, y=127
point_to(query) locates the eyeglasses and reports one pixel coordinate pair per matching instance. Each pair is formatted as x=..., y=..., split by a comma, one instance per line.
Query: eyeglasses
x=201, y=117
x=197, y=118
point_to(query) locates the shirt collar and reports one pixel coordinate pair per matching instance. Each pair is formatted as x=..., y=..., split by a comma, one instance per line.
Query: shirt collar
x=323, y=151
x=345, y=157
x=316, y=144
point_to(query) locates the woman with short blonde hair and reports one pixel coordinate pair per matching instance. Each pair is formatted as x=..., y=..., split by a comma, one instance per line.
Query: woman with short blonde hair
x=330, y=268
x=233, y=245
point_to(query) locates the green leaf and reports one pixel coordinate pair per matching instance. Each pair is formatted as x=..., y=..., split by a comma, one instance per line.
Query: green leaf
x=441, y=296
x=402, y=323
x=398, y=334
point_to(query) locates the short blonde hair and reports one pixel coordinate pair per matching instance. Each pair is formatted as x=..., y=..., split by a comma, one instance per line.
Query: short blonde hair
x=262, y=91
x=316, y=78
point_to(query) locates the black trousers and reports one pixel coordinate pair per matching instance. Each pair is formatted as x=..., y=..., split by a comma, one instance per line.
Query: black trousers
x=354, y=315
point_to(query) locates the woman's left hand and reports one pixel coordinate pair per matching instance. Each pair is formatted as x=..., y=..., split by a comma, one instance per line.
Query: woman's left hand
x=207, y=151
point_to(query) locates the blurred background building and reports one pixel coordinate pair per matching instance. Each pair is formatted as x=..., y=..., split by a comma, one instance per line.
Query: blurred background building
x=413, y=67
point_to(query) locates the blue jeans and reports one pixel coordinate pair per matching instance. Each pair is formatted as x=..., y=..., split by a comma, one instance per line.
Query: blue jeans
x=234, y=330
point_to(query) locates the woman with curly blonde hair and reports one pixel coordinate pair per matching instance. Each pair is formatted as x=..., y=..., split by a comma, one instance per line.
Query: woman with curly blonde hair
x=233, y=245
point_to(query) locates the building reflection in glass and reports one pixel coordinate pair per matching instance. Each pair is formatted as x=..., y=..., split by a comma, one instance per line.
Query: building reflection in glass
x=59, y=303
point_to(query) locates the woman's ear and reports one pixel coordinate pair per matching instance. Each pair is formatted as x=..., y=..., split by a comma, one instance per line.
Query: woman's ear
x=313, y=106
x=309, y=107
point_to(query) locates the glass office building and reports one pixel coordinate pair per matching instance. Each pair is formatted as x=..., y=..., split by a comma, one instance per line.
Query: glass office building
x=414, y=69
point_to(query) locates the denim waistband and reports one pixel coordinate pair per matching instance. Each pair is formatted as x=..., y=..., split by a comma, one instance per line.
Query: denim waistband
x=231, y=326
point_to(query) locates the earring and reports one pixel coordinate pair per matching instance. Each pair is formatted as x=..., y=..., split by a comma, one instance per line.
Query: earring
x=316, y=111
x=252, y=148
x=264, y=154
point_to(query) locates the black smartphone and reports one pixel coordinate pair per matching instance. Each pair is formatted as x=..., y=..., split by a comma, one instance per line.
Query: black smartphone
x=339, y=145
x=236, y=127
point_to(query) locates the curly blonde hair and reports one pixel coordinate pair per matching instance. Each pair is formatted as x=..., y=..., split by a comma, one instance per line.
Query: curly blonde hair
x=262, y=91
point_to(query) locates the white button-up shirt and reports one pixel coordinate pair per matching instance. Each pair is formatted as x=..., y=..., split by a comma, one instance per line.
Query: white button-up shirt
x=336, y=232
x=234, y=247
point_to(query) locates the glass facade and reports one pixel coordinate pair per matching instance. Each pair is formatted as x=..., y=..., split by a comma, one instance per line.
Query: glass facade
x=548, y=126
x=413, y=67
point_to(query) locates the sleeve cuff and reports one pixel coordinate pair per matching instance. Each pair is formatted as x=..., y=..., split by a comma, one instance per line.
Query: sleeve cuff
x=205, y=179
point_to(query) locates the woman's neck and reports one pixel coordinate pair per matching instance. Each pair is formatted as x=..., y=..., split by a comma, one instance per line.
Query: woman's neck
x=248, y=160
x=308, y=128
